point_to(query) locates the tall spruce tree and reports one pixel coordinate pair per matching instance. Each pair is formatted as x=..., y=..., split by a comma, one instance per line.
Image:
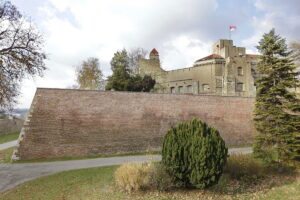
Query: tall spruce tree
x=120, y=79
x=277, y=107
x=123, y=79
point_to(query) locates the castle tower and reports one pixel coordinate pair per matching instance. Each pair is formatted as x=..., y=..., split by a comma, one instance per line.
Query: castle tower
x=225, y=48
x=154, y=54
x=152, y=67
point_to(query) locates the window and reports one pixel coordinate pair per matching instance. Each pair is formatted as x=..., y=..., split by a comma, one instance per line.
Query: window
x=239, y=87
x=172, y=90
x=240, y=71
x=189, y=89
x=205, y=87
x=219, y=82
x=180, y=88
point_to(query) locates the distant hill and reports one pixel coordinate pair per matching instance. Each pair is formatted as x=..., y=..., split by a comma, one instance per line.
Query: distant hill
x=10, y=125
x=19, y=113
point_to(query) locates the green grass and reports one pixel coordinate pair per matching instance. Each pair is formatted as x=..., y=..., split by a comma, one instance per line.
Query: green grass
x=240, y=146
x=9, y=137
x=97, y=183
x=93, y=183
x=5, y=155
x=286, y=192
x=87, y=157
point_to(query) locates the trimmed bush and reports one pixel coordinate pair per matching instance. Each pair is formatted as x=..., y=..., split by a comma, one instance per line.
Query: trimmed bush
x=195, y=154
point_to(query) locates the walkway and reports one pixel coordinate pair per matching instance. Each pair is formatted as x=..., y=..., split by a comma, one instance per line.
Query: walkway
x=15, y=174
x=8, y=145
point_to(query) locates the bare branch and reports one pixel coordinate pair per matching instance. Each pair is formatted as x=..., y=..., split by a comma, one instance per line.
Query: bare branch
x=21, y=52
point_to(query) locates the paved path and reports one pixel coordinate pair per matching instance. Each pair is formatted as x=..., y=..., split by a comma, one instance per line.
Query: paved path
x=8, y=145
x=15, y=174
x=244, y=150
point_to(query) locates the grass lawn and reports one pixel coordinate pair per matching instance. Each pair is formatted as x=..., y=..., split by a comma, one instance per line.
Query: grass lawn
x=88, y=157
x=9, y=137
x=5, y=155
x=240, y=146
x=97, y=183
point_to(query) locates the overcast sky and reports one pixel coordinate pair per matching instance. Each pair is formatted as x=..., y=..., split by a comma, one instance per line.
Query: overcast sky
x=181, y=30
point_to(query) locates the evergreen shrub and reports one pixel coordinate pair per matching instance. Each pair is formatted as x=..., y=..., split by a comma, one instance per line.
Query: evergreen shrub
x=194, y=154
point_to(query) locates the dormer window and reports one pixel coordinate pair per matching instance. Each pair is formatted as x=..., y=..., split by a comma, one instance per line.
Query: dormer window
x=240, y=71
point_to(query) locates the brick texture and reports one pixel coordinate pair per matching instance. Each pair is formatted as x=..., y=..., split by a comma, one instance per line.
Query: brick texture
x=10, y=125
x=64, y=123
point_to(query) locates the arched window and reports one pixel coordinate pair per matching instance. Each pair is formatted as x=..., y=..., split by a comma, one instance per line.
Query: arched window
x=172, y=90
x=240, y=71
x=180, y=88
x=189, y=89
x=239, y=87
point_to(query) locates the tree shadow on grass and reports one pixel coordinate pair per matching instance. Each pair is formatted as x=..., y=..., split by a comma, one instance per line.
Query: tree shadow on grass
x=244, y=185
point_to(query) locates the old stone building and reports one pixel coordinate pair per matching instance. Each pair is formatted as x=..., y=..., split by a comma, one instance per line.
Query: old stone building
x=228, y=71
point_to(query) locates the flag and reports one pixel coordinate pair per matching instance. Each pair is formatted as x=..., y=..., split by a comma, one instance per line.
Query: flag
x=232, y=28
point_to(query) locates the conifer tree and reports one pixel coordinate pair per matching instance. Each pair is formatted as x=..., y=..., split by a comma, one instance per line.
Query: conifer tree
x=123, y=79
x=277, y=107
x=120, y=79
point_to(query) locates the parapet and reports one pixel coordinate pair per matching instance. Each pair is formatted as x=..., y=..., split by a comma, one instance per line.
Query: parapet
x=226, y=49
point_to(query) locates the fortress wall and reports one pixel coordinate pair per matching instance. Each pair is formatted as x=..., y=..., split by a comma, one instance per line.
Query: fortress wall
x=10, y=125
x=64, y=123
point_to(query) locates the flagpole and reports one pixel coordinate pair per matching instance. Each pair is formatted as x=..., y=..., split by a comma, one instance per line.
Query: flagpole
x=231, y=28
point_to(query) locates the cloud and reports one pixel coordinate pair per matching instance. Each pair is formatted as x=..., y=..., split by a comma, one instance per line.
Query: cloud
x=182, y=31
x=75, y=30
x=182, y=51
x=284, y=17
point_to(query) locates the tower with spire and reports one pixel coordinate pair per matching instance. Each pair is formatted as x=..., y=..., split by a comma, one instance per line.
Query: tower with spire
x=154, y=54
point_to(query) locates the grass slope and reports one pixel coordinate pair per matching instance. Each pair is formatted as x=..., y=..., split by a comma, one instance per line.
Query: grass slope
x=88, y=157
x=9, y=137
x=97, y=183
x=5, y=155
x=93, y=183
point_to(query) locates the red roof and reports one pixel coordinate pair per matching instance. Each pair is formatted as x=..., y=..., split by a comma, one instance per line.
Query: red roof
x=212, y=56
x=252, y=56
x=154, y=51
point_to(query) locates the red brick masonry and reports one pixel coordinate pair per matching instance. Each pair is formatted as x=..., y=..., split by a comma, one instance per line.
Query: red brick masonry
x=66, y=123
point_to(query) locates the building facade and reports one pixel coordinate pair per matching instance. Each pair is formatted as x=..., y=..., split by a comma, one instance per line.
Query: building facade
x=228, y=71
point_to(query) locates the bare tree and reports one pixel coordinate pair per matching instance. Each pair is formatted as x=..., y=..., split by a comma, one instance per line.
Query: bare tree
x=21, y=52
x=134, y=55
x=295, y=47
x=89, y=75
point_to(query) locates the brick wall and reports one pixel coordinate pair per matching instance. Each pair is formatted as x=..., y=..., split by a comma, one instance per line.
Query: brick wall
x=79, y=122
